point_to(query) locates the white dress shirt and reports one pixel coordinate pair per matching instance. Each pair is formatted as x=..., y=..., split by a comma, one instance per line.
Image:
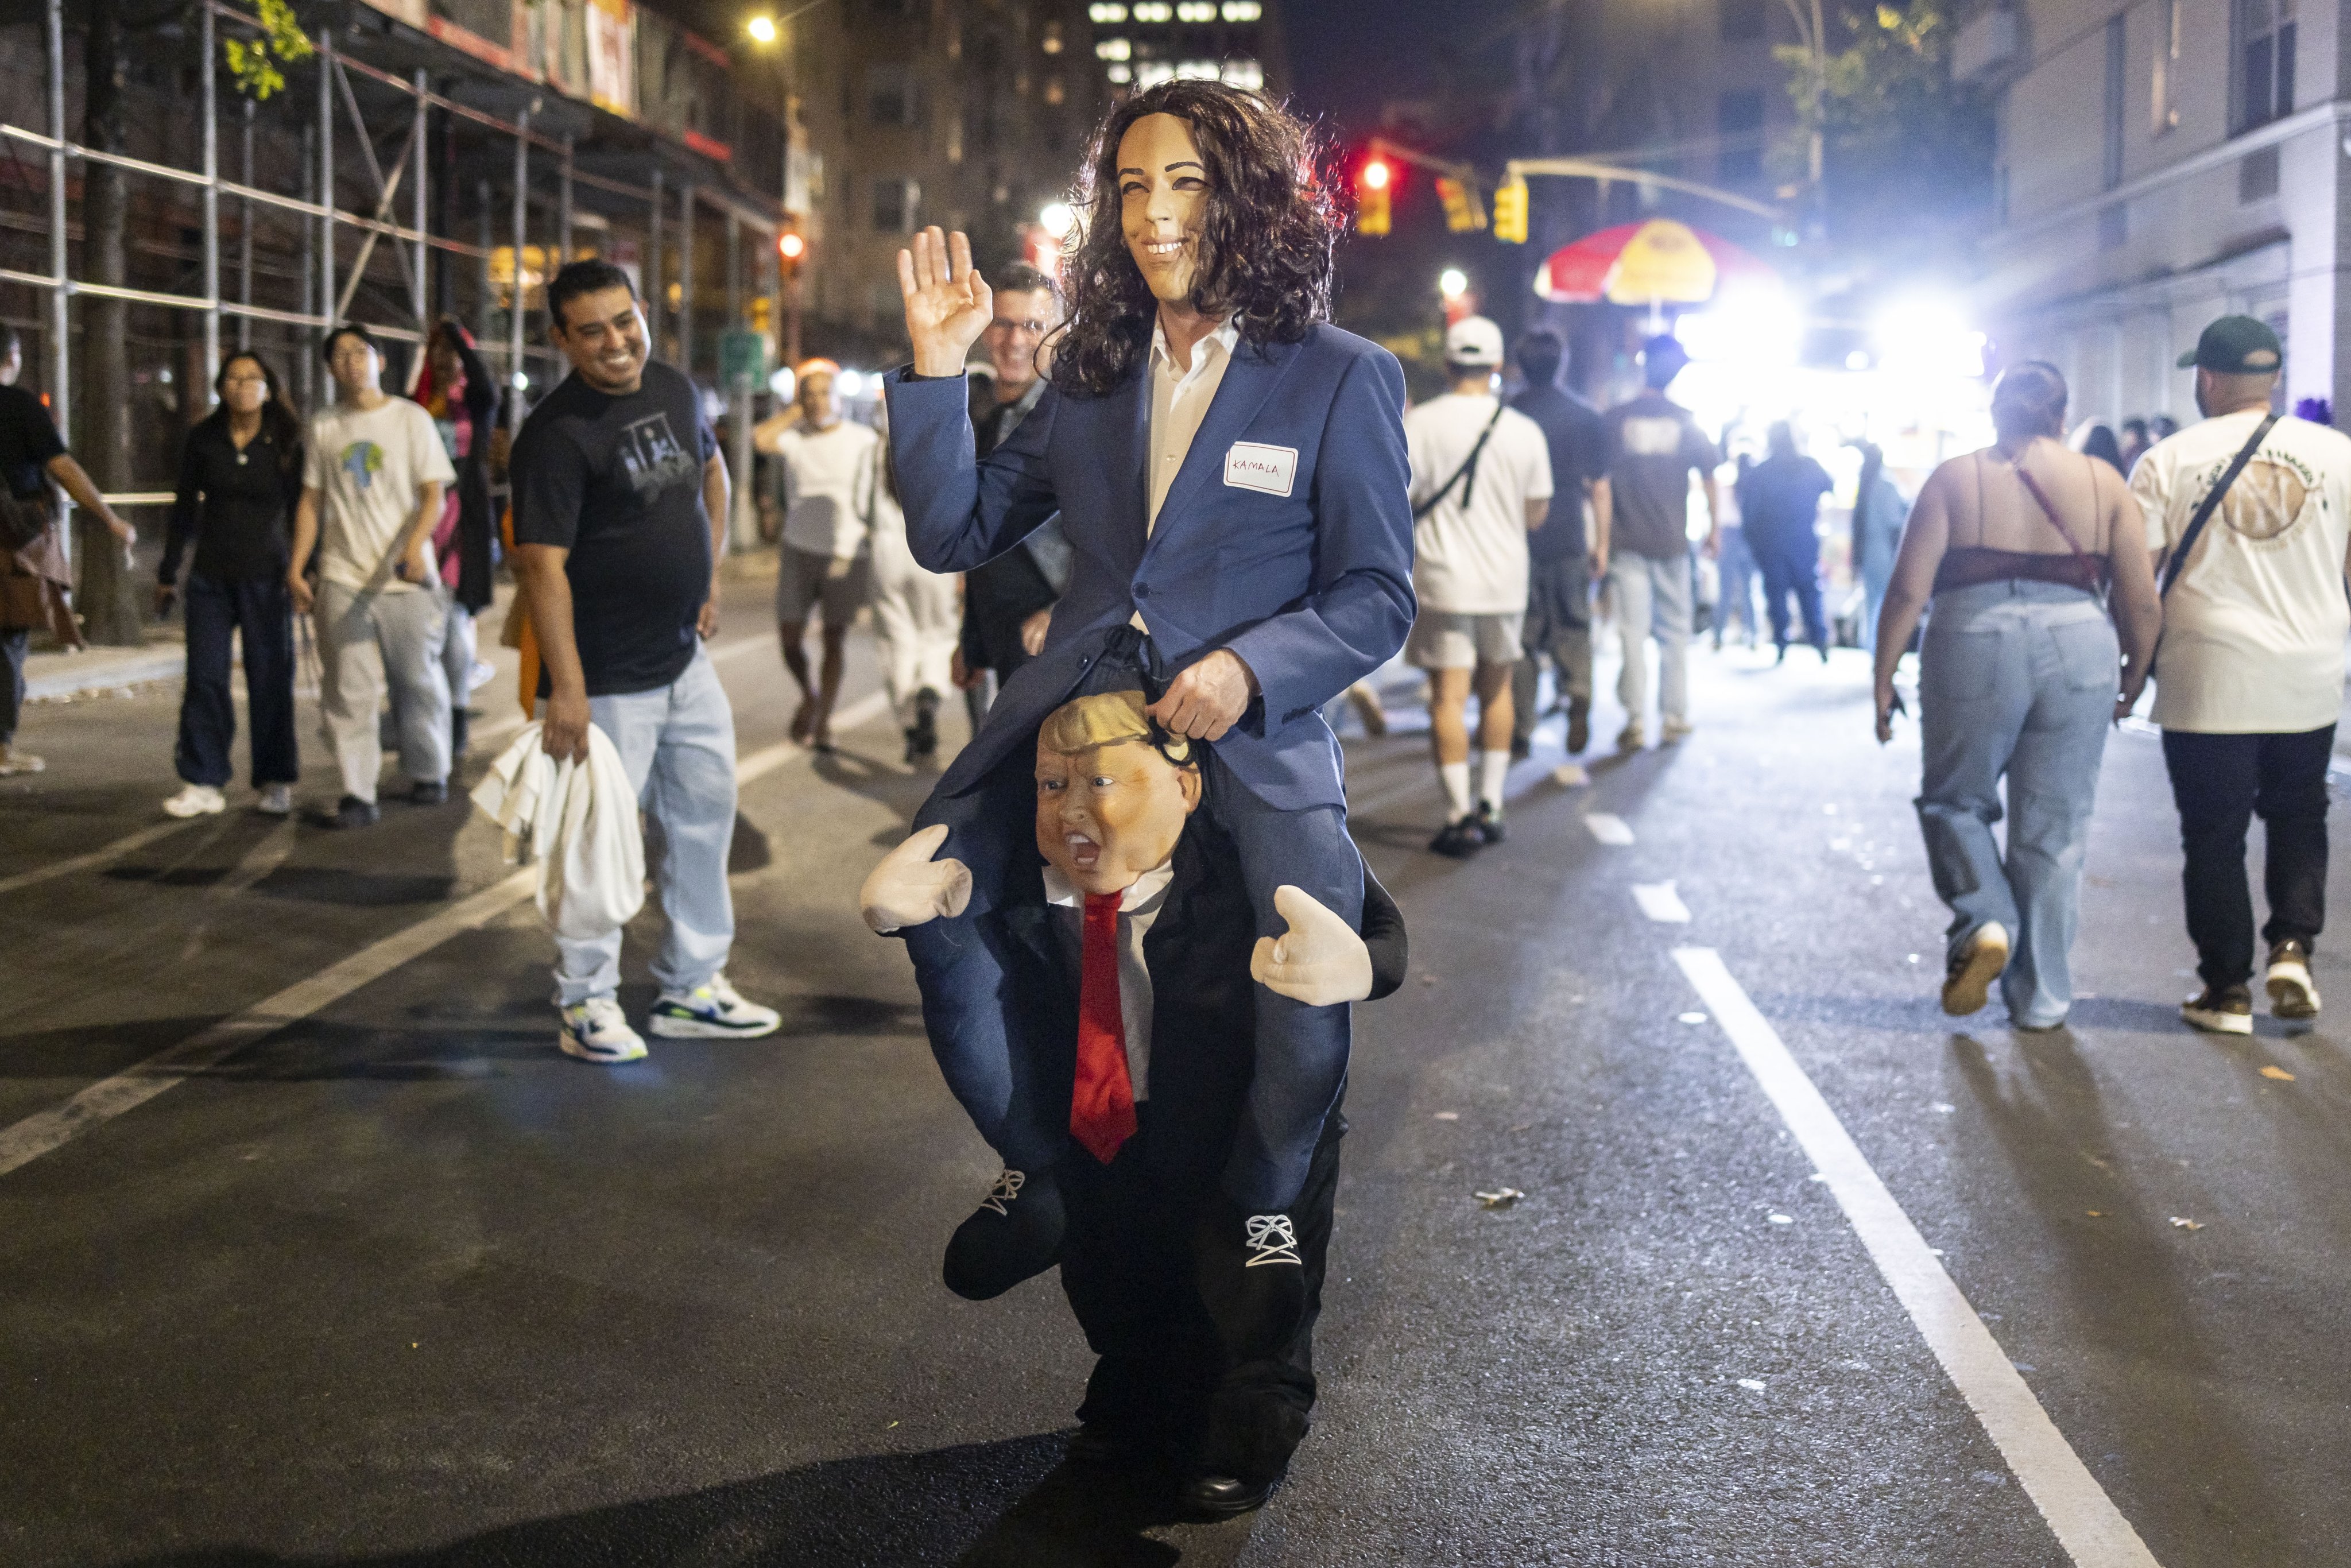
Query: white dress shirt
x=1179, y=401
x=1140, y=907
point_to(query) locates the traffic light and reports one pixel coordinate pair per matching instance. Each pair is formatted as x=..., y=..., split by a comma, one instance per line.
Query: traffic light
x=1511, y=211
x=1463, y=211
x=791, y=248
x=1372, y=196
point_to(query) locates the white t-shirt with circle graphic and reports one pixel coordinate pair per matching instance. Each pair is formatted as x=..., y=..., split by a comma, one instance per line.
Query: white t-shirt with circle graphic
x=366, y=465
x=2254, y=629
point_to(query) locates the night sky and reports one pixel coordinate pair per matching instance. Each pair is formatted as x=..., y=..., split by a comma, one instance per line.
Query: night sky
x=1347, y=56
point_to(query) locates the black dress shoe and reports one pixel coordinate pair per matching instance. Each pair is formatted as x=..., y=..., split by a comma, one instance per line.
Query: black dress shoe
x=1224, y=1496
x=428, y=792
x=351, y=811
x=1015, y=1234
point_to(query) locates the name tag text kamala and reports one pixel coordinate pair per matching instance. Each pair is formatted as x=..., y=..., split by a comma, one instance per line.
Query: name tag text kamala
x=1250, y=466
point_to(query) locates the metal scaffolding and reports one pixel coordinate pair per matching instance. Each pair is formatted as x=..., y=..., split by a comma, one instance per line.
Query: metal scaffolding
x=323, y=304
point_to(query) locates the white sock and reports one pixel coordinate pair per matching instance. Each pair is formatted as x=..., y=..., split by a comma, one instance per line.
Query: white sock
x=1456, y=786
x=1493, y=766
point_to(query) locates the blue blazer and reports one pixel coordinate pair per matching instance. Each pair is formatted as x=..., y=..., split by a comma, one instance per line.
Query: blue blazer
x=1312, y=588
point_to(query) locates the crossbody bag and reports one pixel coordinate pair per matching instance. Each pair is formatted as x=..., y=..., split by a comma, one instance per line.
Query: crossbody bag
x=1467, y=475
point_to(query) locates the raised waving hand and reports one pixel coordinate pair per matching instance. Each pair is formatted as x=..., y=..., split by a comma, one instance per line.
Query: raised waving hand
x=948, y=304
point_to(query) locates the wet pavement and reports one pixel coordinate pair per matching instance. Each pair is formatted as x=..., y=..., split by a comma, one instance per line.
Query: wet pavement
x=394, y=1282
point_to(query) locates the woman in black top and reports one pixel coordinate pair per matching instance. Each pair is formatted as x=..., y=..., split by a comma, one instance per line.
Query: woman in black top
x=239, y=479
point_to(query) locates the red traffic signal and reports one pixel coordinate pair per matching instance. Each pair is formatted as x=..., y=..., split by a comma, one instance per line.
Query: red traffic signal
x=791, y=245
x=1376, y=175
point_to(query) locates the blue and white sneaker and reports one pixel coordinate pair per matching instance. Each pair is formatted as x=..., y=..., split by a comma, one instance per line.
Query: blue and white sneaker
x=598, y=1031
x=712, y=1011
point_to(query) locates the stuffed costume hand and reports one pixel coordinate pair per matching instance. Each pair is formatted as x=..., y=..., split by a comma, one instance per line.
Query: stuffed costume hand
x=1319, y=961
x=910, y=888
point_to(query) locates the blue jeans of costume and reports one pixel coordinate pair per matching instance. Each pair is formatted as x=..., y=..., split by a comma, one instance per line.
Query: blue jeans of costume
x=1005, y=1081
x=261, y=612
x=677, y=743
x=2016, y=679
x=1790, y=566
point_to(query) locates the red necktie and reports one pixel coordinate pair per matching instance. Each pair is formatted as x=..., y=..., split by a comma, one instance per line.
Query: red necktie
x=1102, y=1104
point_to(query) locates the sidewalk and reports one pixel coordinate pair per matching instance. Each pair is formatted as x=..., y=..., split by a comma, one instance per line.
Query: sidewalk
x=53, y=675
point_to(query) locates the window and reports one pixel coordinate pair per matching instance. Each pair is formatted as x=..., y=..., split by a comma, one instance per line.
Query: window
x=2165, y=110
x=897, y=206
x=1051, y=42
x=2116, y=41
x=1199, y=70
x=1154, y=11
x=1196, y=11
x=1739, y=120
x=1114, y=49
x=1243, y=10
x=1054, y=91
x=2257, y=176
x=1100, y=13
x=1153, y=73
x=1245, y=74
x=892, y=97
x=2265, y=56
x=1121, y=73
x=1742, y=21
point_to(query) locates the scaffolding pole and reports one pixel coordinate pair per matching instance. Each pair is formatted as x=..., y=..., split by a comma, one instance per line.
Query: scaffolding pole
x=326, y=48
x=211, y=208
x=417, y=282
x=685, y=279
x=244, y=241
x=653, y=295
x=516, y=379
x=563, y=215
x=60, y=302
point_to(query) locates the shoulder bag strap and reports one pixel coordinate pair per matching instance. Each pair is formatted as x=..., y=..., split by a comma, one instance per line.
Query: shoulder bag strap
x=2178, y=562
x=1469, y=469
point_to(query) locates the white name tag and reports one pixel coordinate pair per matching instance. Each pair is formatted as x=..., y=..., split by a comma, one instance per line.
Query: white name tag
x=1271, y=469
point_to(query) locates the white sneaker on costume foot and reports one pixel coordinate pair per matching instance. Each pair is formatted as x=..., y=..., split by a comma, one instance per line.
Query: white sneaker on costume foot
x=598, y=1031
x=712, y=1011
x=276, y=800
x=196, y=800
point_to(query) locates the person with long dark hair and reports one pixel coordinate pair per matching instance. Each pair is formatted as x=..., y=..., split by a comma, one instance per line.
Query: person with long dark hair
x=240, y=477
x=1231, y=470
x=2025, y=548
x=456, y=388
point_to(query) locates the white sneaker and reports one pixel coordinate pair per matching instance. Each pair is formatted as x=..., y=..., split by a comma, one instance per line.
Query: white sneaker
x=598, y=1031
x=14, y=761
x=276, y=800
x=196, y=800
x=712, y=1011
x=1673, y=731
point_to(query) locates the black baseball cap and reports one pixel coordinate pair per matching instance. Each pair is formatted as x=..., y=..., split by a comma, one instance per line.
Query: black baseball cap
x=2236, y=346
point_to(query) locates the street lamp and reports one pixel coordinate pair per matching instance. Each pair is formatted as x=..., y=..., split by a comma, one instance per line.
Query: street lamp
x=762, y=28
x=1453, y=283
x=1055, y=218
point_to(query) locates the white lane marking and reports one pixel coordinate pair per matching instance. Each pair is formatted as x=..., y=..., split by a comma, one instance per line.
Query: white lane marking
x=1660, y=903
x=1608, y=828
x=99, y=856
x=2089, y=1527
x=37, y=1134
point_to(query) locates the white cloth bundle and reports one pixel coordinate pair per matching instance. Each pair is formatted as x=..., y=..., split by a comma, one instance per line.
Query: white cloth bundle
x=580, y=822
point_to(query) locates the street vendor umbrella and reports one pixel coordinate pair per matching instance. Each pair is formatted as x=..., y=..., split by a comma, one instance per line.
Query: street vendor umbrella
x=1659, y=261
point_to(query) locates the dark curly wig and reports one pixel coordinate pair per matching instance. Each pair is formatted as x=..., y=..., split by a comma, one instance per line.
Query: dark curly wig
x=1265, y=245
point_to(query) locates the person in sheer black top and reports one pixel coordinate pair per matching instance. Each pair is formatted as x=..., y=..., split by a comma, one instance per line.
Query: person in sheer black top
x=240, y=475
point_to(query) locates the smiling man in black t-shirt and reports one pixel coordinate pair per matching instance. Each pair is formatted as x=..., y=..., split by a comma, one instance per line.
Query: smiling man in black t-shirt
x=619, y=496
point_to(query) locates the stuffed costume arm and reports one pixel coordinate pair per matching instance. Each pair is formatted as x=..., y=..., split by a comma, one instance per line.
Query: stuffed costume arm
x=910, y=888
x=1362, y=604
x=962, y=512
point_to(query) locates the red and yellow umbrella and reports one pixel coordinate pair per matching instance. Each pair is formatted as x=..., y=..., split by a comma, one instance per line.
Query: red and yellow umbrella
x=1659, y=261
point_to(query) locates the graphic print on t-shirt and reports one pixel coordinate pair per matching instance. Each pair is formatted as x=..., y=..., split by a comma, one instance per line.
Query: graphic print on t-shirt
x=2269, y=497
x=362, y=460
x=654, y=460
x=1644, y=436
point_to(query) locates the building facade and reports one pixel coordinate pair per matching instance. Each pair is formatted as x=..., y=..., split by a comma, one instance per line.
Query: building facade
x=2161, y=163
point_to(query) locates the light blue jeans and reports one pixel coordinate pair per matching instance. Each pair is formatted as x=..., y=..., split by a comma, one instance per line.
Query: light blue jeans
x=2016, y=678
x=677, y=743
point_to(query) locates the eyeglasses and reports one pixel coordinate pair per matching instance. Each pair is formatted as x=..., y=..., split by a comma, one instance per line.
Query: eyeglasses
x=244, y=380
x=1033, y=329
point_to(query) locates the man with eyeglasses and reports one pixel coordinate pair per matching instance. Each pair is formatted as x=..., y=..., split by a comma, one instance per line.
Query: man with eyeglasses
x=1008, y=602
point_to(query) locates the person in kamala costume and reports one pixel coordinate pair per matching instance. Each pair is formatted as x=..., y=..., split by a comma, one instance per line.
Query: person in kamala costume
x=1230, y=473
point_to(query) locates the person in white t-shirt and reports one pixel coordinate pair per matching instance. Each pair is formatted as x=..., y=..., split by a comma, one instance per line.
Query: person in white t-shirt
x=917, y=614
x=372, y=475
x=1480, y=480
x=2249, y=683
x=825, y=561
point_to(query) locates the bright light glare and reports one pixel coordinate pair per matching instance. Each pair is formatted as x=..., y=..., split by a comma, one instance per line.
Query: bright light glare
x=762, y=29
x=1375, y=175
x=847, y=383
x=1452, y=283
x=1754, y=329
x=522, y=381
x=783, y=384
x=1056, y=217
x=1928, y=338
x=1857, y=360
x=790, y=246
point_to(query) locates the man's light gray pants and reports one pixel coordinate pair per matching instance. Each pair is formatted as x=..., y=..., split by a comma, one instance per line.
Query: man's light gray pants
x=677, y=743
x=365, y=641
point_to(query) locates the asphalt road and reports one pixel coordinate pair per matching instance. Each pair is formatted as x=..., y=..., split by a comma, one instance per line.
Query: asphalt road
x=397, y=1283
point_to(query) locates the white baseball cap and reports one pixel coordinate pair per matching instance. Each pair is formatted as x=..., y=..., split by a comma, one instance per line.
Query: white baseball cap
x=1473, y=340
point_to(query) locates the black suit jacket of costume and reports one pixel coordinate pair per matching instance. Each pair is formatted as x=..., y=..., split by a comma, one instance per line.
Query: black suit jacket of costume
x=1203, y=1014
